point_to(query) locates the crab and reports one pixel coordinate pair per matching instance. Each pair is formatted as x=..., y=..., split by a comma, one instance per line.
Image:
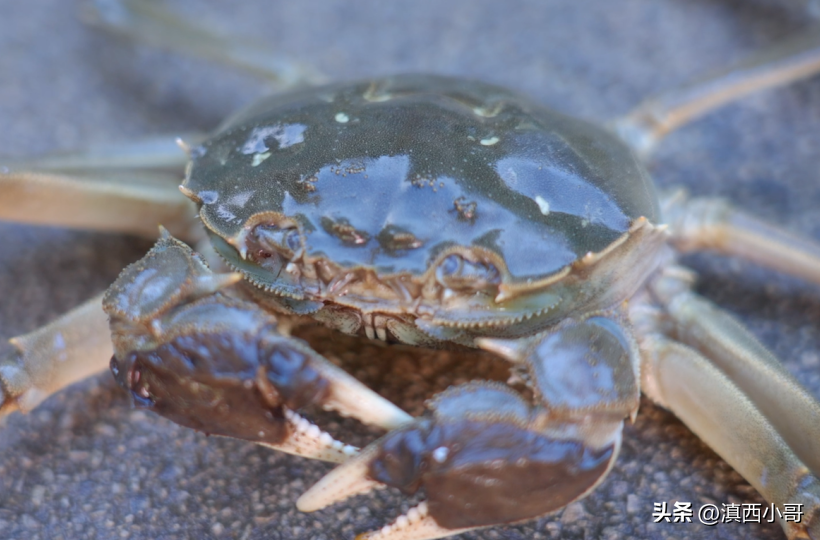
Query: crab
x=485, y=265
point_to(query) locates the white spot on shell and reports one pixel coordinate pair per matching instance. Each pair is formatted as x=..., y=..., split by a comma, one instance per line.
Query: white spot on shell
x=543, y=205
x=489, y=142
x=259, y=158
x=342, y=118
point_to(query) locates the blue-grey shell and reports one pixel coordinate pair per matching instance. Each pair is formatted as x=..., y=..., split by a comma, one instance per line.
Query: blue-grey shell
x=415, y=164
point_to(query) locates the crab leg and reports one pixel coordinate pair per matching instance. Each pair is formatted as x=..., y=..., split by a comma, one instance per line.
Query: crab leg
x=187, y=350
x=485, y=456
x=69, y=349
x=85, y=203
x=154, y=24
x=793, y=411
x=727, y=378
x=159, y=154
x=795, y=58
x=708, y=402
x=131, y=188
x=711, y=223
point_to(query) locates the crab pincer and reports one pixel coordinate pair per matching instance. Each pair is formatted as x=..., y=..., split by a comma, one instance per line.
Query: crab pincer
x=190, y=352
x=485, y=456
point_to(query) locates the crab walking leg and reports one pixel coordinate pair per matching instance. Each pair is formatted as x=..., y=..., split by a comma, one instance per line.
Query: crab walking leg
x=135, y=206
x=69, y=349
x=485, y=456
x=126, y=187
x=160, y=154
x=714, y=224
x=698, y=323
x=796, y=58
x=723, y=416
x=187, y=350
x=153, y=24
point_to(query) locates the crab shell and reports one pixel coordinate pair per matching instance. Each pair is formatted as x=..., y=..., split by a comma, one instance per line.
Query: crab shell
x=458, y=206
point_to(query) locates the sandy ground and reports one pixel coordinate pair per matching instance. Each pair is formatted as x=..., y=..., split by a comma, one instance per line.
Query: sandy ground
x=84, y=465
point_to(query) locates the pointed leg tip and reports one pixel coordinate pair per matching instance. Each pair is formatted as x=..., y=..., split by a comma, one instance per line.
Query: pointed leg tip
x=304, y=505
x=349, y=479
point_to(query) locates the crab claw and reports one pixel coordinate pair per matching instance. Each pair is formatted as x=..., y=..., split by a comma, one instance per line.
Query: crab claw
x=218, y=364
x=483, y=456
x=243, y=385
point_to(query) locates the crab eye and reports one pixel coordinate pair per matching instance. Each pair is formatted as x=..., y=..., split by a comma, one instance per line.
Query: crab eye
x=284, y=240
x=456, y=272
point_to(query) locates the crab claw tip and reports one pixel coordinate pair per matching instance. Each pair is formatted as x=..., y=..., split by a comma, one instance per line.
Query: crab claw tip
x=347, y=480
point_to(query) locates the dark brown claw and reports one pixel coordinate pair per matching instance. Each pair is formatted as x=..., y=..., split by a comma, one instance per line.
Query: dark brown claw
x=477, y=469
x=232, y=384
x=218, y=364
x=485, y=456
